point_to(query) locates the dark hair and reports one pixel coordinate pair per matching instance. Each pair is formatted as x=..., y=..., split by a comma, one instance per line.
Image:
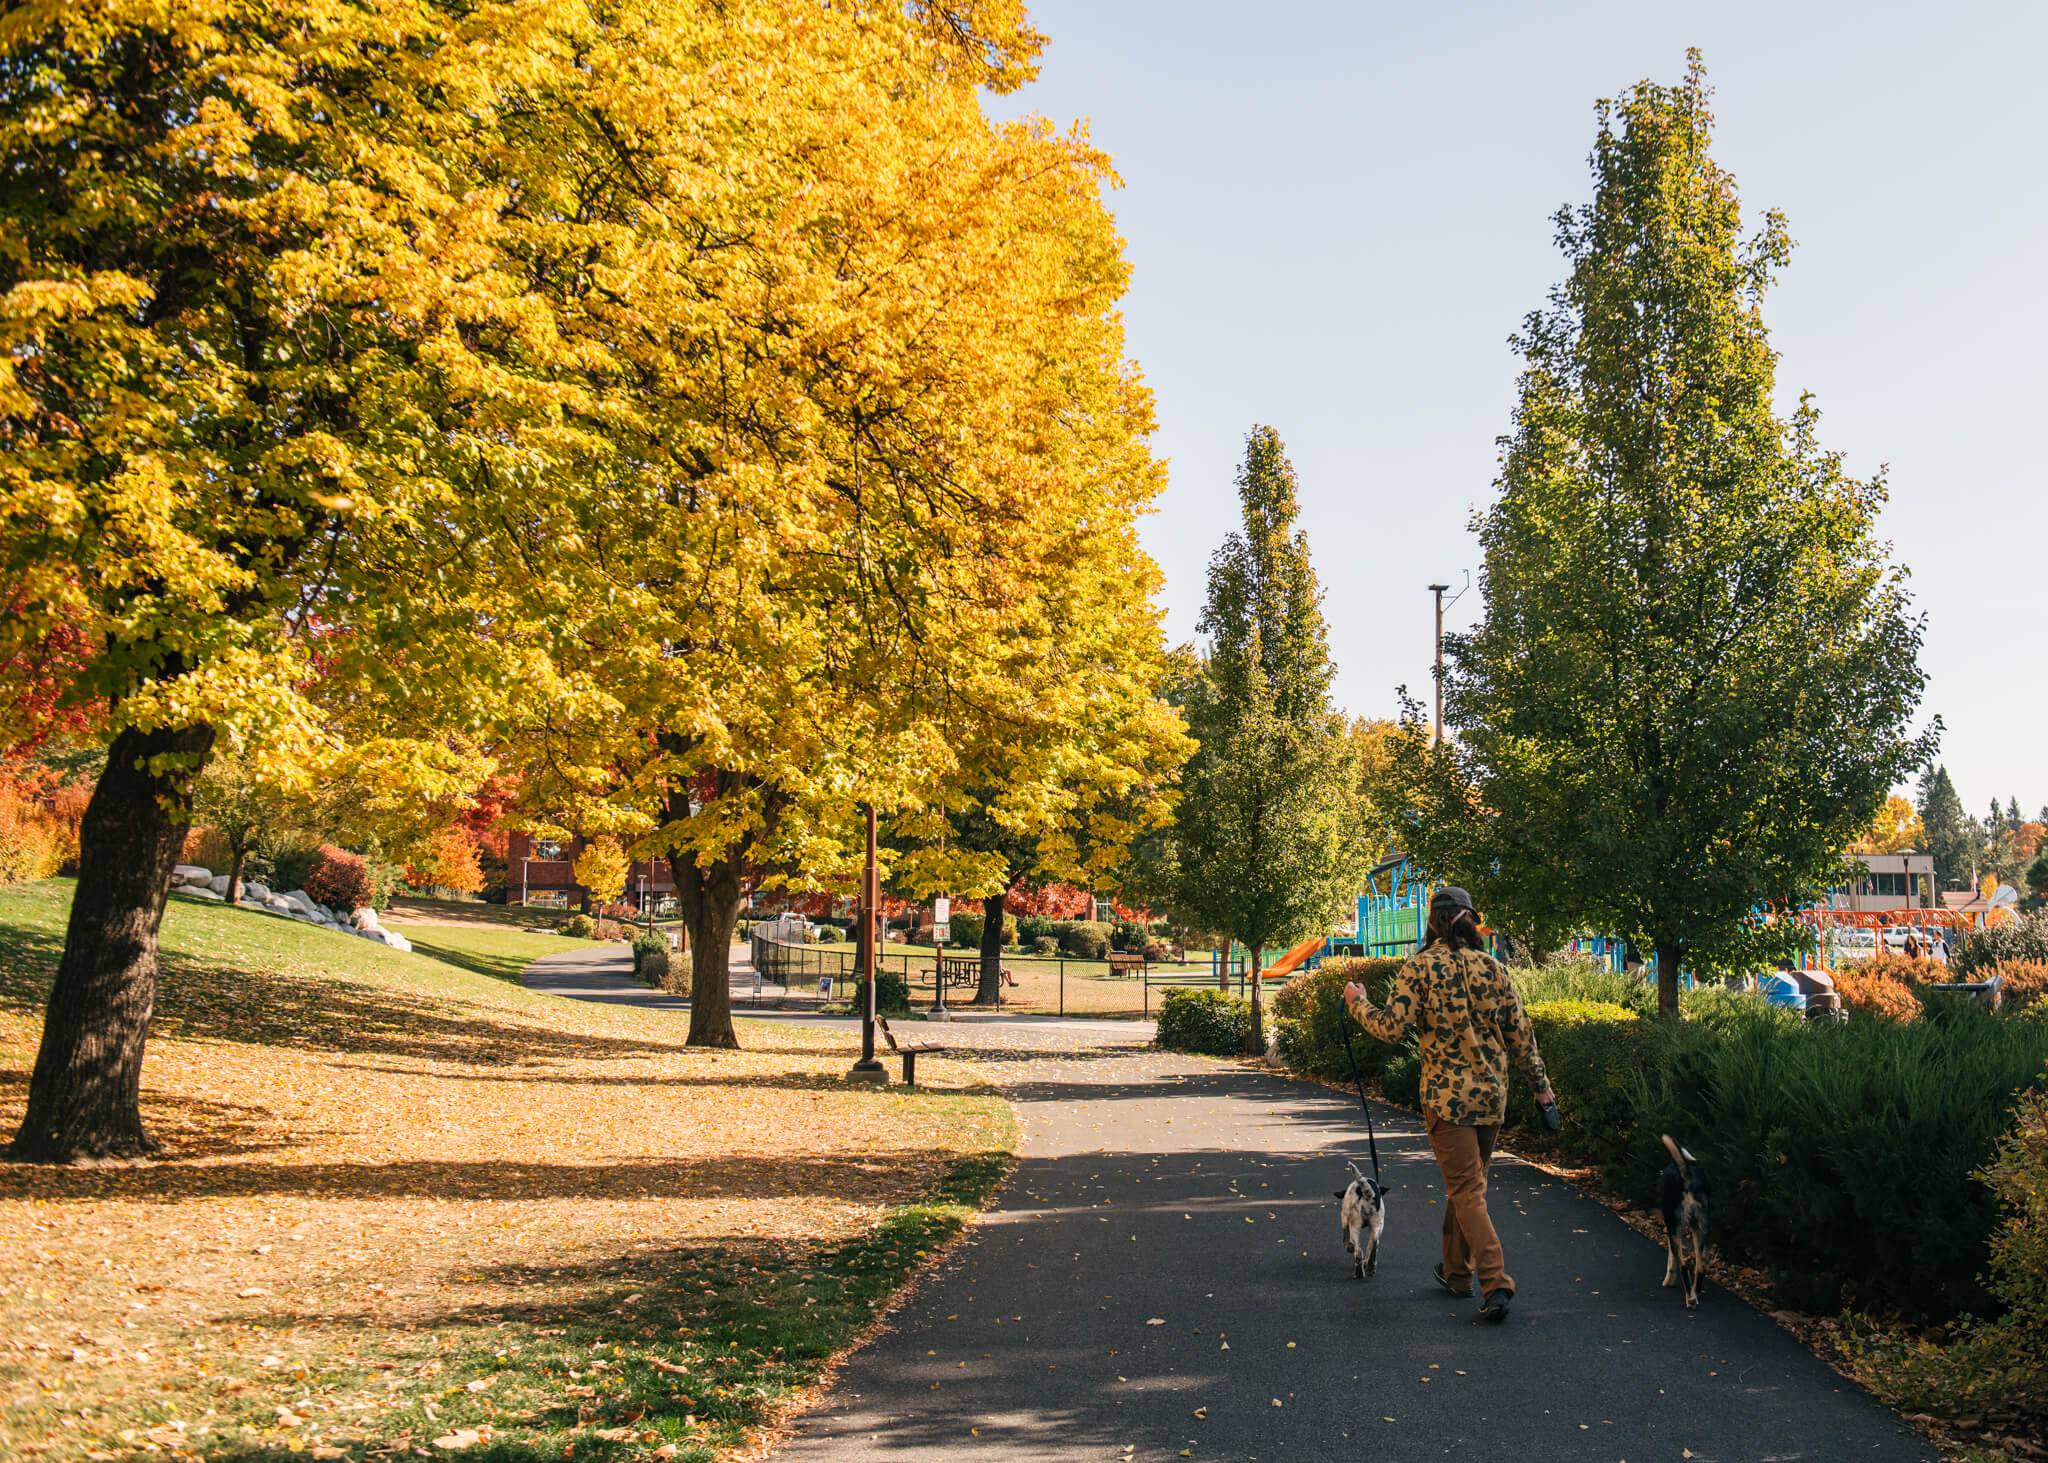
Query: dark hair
x=1453, y=926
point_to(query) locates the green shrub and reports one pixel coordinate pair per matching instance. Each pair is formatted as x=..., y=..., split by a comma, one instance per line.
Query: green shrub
x=892, y=992
x=290, y=863
x=1401, y=1078
x=1595, y=1053
x=1850, y=1150
x=1309, y=1010
x=1034, y=927
x=968, y=927
x=1045, y=945
x=578, y=926
x=1209, y=1022
x=650, y=960
x=1996, y=1368
x=2022, y=939
x=1084, y=939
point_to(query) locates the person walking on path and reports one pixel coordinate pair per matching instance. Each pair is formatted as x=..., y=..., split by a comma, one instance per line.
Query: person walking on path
x=1468, y=1021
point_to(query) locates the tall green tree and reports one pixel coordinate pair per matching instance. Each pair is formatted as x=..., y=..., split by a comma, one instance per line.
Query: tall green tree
x=1267, y=843
x=1693, y=684
x=1950, y=837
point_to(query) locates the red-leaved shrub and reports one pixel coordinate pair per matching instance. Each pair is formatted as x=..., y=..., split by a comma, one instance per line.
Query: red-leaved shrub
x=339, y=879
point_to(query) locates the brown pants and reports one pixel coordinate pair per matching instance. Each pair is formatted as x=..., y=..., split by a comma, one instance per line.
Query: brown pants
x=1462, y=1154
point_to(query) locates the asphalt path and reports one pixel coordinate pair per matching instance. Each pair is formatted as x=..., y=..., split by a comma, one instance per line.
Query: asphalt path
x=1163, y=1278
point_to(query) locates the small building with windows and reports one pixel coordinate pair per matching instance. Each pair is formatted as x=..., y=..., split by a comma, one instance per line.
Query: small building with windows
x=540, y=873
x=1891, y=881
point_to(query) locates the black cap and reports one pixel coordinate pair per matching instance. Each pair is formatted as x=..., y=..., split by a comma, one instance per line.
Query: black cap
x=1452, y=894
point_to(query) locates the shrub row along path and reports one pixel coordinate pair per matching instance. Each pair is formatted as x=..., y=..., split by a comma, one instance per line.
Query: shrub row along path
x=1163, y=1278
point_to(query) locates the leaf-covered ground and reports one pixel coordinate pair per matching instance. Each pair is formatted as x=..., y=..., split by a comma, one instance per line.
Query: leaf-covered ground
x=410, y=1207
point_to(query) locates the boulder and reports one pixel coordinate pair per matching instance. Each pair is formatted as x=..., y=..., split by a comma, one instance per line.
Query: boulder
x=190, y=874
x=254, y=892
x=365, y=919
x=218, y=884
x=387, y=937
x=198, y=891
x=301, y=901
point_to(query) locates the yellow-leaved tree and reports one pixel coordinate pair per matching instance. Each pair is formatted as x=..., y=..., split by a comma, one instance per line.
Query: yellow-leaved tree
x=883, y=432
x=270, y=365
x=601, y=868
x=1896, y=829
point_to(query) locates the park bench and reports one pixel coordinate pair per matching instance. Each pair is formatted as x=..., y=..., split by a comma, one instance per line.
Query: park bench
x=1987, y=992
x=907, y=1050
x=1126, y=962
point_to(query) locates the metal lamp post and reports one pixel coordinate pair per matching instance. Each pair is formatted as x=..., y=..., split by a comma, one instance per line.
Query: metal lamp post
x=867, y=1069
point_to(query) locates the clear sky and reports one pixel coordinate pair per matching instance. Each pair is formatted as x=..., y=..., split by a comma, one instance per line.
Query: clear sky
x=1337, y=212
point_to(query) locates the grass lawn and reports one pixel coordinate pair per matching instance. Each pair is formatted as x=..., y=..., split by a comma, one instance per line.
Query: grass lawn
x=473, y=912
x=410, y=1206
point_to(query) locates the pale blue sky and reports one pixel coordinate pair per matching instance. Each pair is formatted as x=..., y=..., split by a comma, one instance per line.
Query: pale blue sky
x=1336, y=214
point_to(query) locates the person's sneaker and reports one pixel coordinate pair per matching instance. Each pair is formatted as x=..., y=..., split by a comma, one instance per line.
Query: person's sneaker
x=1495, y=1306
x=1444, y=1281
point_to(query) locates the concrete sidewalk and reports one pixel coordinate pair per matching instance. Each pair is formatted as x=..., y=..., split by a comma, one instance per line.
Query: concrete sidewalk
x=1163, y=1278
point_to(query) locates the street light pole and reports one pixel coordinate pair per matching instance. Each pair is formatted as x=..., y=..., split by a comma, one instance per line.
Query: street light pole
x=867, y=1069
x=1439, y=591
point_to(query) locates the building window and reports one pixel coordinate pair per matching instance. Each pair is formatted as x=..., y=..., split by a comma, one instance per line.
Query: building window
x=1889, y=886
x=547, y=848
x=547, y=898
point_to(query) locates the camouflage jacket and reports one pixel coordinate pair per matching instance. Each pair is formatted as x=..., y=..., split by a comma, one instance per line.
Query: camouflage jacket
x=1468, y=1020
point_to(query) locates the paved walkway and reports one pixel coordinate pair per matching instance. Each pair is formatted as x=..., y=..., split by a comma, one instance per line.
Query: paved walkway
x=1163, y=1278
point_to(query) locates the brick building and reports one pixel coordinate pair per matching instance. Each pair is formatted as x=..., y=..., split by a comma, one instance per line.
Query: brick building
x=540, y=873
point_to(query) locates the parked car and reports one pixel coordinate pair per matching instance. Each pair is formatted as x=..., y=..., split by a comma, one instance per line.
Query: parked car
x=1853, y=945
x=1895, y=938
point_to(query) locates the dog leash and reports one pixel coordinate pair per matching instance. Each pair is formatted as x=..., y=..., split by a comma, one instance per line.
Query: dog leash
x=1372, y=1141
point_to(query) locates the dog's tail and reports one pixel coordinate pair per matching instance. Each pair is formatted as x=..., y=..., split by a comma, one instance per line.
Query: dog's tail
x=1678, y=1154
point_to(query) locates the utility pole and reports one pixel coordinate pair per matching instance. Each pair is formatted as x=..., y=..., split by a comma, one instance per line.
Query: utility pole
x=867, y=1069
x=1439, y=590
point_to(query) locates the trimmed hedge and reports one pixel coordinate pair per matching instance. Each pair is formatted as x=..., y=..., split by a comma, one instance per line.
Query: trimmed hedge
x=967, y=927
x=1209, y=1022
x=1308, y=1016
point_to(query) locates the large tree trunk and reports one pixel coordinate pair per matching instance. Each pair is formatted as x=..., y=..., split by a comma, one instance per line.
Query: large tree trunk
x=1258, y=1041
x=710, y=900
x=989, y=990
x=1668, y=957
x=84, y=1100
x=238, y=856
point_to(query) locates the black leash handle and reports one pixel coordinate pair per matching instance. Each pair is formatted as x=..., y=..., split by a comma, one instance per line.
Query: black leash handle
x=1372, y=1141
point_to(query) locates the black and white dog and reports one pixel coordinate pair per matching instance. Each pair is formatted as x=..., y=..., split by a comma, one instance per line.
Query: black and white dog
x=1685, y=1222
x=1362, y=1214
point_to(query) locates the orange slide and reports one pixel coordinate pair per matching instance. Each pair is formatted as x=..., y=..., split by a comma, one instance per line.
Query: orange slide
x=1287, y=964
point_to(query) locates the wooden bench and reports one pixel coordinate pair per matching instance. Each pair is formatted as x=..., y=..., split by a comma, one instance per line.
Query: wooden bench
x=1125, y=962
x=907, y=1050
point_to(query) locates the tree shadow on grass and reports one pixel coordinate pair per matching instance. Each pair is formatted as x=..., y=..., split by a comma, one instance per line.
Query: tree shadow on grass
x=696, y=1345
x=204, y=1000
x=482, y=1181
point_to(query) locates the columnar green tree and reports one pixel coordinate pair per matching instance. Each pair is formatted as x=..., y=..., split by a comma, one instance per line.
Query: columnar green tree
x=1267, y=843
x=1950, y=838
x=1694, y=681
